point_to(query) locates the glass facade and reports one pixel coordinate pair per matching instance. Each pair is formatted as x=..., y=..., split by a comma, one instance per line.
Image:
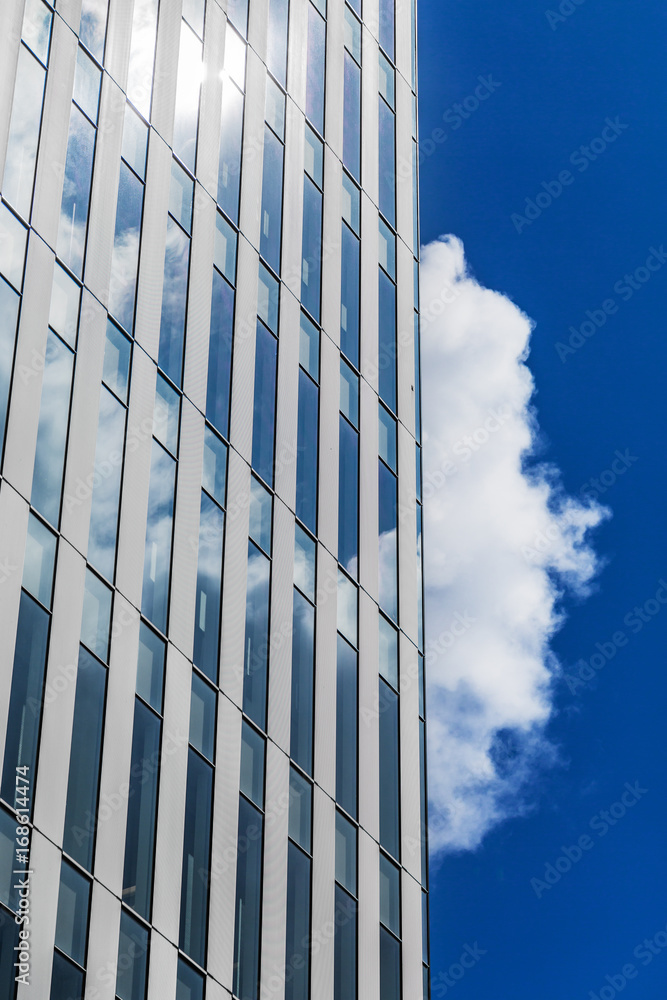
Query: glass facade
x=211, y=514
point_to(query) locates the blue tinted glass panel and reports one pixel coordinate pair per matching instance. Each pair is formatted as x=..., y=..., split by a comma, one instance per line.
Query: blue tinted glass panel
x=387, y=80
x=418, y=408
x=387, y=155
x=39, y=561
x=64, y=307
x=420, y=580
x=150, y=667
x=106, y=485
x=214, y=470
x=209, y=583
x=352, y=35
x=141, y=810
x=300, y=809
x=67, y=981
x=345, y=948
x=387, y=437
x=84, y=762
x=253, y=751
x=76, y=191
x=276, y=50
x=256, y=647
x=125, y=259
x=264, y=408
x=260, y=517
x=314, y=157
x=387, y=341
x=390, y=895
x=248, y=902
x=87, y=79
x=387, y=248
x=422, y=801
x=117, y=354
x=188, y=82
x=224, y=248
x=352, y=117
x=96, y=618
x=346, y=612
x=196, y=853
x=202, y=717
x=268, y=299
x=166, y=414
x=297, y=950
x=135, y=142
x=311, y=264
x=193, y=12
x=388, y=647
x=349, y=296
x=304, y=562
x=47, y=479
x=220, y=354
x=23, y=139
x=306, y=452
x=389, y=770
x=181, y=195
x=189, y=982
x=9, y=310
x=303, y=682
x=231, y=138
x=25, y=700
x=315, y=69
x=418, y=473
x=8, y=890
x=390, y=966
x=349, y=393
x=387, y=19
x=174, y=300
x=346, y=853
x=346, y=727
x=237, y=11
x=272, y=200
x=388, y=547
x=415, y=200
x=351, y=203
x=309, y=347
x=36, y=28
x=93, y=27
x=348, y=497
x=157, y=558
x=132, y=959
x=72, y=920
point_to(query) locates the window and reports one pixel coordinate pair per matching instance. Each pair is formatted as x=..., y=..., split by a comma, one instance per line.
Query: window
x=132, y=962
x=303, y=682
x=346, y=727
x=315, y=69
x=256, y=663
x=299, y=864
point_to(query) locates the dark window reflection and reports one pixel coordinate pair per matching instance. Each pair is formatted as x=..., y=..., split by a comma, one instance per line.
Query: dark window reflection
x=67, y=981
x=352, y=116
x=264, y=409
x=189, y=982
x=209, y=584
x=346, y=727
x=174, y=300
x=387, y=156
x=132, y=962
x=387, y=350
x=303, y=682
x=231, y=138
x=72, y=919
x=248, y=901
x=307, y=452
x=272, y=200
x=349, y=296
x=47, y=478
x=390, y=786
x=388, y=542
x=297, y=952
x=345, y=949
x=106, y=484
x=76, y=191
x=348, y=497
x=125, y=259
x=196, y=854
x=390, y=966
x=256, y=646
x=141, y=810
x=157, y=558
x=315, y=69
x=311, y=264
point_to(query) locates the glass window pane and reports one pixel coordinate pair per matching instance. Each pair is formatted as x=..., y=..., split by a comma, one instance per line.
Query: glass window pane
x=387, y=350
x=346, y=727
x=96, y=621
x=300, y=809
x=303, y=682
x=9, y=310
x=390, y=895
x=132, y=959
x=251, y=780
x=196, y=858
x=76, y=191
x=229, y=163
x=390, y=782
x=349, y=297
x=422, y=799
x=19, y=175
x=390, y=967
x=166, y=414
x=87, y=79
x=47, y=479
x=347, y=608
x=272, y=200
x=93, y=27
x=387, y=249
x=202, y=717
x=256, y=647
x=348, y=496
x=297, y=925
x=352, y=116
x=351, y=200
x=39, y=562
x=8, y=891
x=235, y=57
x=387, y=18
x=264, y=407
x=261, y=511
x=307, y=452
x=66, y=979
x=105, y=505
x=72, y=920
x=311, y=264
x=36, y=30
x=25, y=700
x=309, y=347
x=189, y=982
x=142, y=55
x=346, y=853
x=248, y=902
x=422, y=692
x=315, y=69
x=157, y=557
x=181, y=192
x=135, y=141
x=388, y=652
x=150, y=667
x=209, y=588
x=349, y=393
x=314, y=157
x=275, y=108
x=13, y=240
x=276, y=53
x=220, y=354
x=64, y=308
x=388, y=542
x=352, y=35
x=268, y=297
x=84, y=763
x=387, y=158
x=141, y=810
x=193, y=12
x=214, y=472
x=304, y=562
x=387, y=437
x=386, y=84
x=174, y=302
x=345, y=948
x=237, y=11
x=125, y=258
x=188, y=84
x=224, y=252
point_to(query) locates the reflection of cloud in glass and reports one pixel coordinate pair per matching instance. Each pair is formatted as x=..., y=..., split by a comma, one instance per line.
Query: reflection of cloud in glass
x=9, y=306
x=47, y=480
x=388, y=572
x=125, y=260
x=190, y=74
x=24, y=133
x=76, y=191
x=209, y=581
x=93, y=26
x=174, y=292
x=157, y=556
x=106, y=484
x=142, y=55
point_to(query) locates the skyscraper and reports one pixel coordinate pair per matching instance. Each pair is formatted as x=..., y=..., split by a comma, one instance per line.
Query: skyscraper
x=212, y=727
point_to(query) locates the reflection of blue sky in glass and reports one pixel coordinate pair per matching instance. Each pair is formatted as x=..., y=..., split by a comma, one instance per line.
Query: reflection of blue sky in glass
x=209, y=585
x=23, y=137
x=93, y=26
x=174, y=296
x=157, y=556
x=125, y=259
x=188, y=83
x=76, y=191
x=256, y=651
x=47, y=480
x=106, y=484
x=142, y=55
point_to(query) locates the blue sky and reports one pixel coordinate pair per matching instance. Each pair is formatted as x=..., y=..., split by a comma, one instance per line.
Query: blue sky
x=556, y=87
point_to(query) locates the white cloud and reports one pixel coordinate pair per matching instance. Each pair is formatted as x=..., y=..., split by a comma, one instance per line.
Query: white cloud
x=503, y=545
